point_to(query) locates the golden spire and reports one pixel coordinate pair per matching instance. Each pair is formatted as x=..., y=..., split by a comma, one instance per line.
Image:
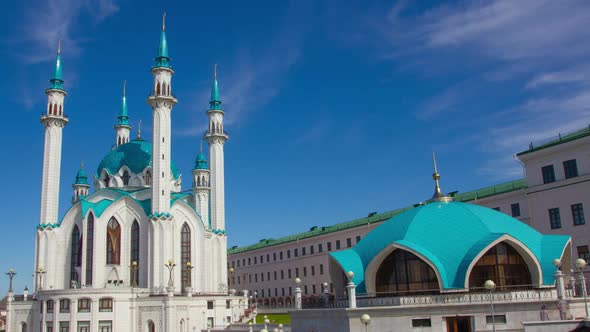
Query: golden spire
x=438, y=195
x=139, y=130
x=124, y=87
x=59, y=46
x=215, y=71
x=164, y=21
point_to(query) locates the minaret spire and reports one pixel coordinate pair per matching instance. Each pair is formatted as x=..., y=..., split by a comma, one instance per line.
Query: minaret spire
x=215, y=102
x=438, y=195
x=56, y=82
x=122, y=128
x=162, y=60
x=139, y=130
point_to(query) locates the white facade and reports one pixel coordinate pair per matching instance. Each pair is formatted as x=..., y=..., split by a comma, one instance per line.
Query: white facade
x=137, y=254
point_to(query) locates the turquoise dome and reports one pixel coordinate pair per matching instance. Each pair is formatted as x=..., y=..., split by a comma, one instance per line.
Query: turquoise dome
x=81, y=177
x=451, y=235
x=201, y=161
x=136, y=155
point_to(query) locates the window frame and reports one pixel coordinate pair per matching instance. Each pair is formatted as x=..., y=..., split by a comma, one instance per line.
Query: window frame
x=570, y=168
x=554, y=218
x=548, y=174
x=578, y=214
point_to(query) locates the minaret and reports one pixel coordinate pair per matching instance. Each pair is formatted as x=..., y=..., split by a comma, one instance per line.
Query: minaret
x=122, y=128
x=54, y=120
x=161, y=102
x=438, y=195
x=216, y=137
x=81, y=185
x=201, y=186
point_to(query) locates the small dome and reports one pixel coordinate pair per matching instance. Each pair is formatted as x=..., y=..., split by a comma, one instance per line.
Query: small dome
x=201, y=161
x=81, y=177
x=135, y=155
x=451, y=235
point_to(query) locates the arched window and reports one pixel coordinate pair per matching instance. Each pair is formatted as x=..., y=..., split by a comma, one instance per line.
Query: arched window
x=75, y=257
x=135, y=247
x=164, y=88
x=54, y=109
x=89, y=247
x=157, y=89
x=126, y=178
x=405, y=272
x=147, y=178
x=185, y=255
x=60, y=110
x=23, y=327
x=503, y=265
x=107, y=179
x=113, y=242
x=151, y=326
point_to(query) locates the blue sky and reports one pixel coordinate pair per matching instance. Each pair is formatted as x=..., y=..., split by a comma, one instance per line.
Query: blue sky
x=333, y=107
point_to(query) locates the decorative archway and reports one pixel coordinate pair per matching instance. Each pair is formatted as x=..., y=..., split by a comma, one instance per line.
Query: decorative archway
x=502, y=264
x=402, y=272
x=151, y=327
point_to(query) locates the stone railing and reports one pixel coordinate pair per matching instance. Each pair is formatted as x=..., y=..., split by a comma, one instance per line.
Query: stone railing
x=455, y=298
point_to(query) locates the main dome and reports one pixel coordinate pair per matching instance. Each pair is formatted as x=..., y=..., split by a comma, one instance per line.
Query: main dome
x=135, y=155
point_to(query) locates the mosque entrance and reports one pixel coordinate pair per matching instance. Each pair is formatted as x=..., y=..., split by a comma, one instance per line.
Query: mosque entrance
x=458, y=324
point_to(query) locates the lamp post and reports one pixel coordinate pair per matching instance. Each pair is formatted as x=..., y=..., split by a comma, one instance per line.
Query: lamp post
x=366, y=320
x=325, y=293
x=134, y=269
x=298, y=304
x=580, y=265
x=560, y=288
x=10, y=275
x=170, y=265
x=351, y=290
x=189, y=279
x=266, y=321
x=40, y=272
x=250, y=327
x=490, y=285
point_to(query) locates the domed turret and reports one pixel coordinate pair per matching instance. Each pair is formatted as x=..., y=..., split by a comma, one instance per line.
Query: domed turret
x=201, y=185
x=81, y=185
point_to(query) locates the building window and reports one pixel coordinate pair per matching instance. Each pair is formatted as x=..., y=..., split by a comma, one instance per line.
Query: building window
x=320, y=247
x=113, y=242
x=498, y=319
x=296, y=272
x=261, y=259
x=348, y=242
x=147, y=178
x=274, y=256
x=313, y=289
x=275, y=275
x=570, y=168
x=282, y=274
x=50, y=306
x=105, y=305
x=268, y=258
x=358, y=238
x=255, y=277
x=321, y=269
x=255, y=260
x=89, y=247
x=288, y=254
x=281, y=255
x=296, y=252
x=548, y=174
x=49, y=327
x=393, y=275
x=303, y=251
x=268, y=275
x=329, y=246
x=313, y=271
x=554, y=218
x=289, y=273
x=135, y=248
x=515, y=209
x=84, y=305
x=64, y=326
x=584, y=253
x=83, y=326
x=337, y=244
x=305, y=271
x=503, y=264
x=210, y=304
x=185, y=256
x=105, y=326
x=126, y=178
x=75, y=257
x=421, y=322
x=290, y=291
x=64, y=305
x=578, y=214
x=305, y=289
x=249, y=261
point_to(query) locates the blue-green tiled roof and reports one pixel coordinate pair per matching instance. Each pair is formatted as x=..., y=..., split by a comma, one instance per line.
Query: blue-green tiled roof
x=201, y=161
x=450, y=235
x=136, y=155
x=81, y=177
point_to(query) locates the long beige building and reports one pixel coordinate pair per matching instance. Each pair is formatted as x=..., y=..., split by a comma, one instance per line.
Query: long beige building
x=550, y=198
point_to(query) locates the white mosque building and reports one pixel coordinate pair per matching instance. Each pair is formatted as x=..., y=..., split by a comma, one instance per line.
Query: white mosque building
x=138, y=253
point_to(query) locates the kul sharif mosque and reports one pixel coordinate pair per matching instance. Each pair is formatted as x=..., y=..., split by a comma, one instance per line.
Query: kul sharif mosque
x=137, y=254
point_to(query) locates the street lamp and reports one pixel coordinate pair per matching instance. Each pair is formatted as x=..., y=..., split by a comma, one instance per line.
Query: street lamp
x=298, y=304
x=580, y=265
x=490, y=285
x=366, y=320
x=170, y=265
x=266, y=321
x=325, y=284
x=189, y=276
x=134, y=269
x=10, y=275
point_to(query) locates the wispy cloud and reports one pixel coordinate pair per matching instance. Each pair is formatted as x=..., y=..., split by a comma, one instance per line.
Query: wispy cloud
x=539, y=45
x=50, y=20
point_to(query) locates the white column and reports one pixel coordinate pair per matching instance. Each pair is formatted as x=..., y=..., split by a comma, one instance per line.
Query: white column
x=217, y=183
x=298, y=304
x=351, y=287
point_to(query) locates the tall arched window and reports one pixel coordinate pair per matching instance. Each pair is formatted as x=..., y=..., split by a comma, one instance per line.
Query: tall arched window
x=126, y=178
x=75, y=257
x=107, y=179
x=151, y=326
x=23, y=327
x=113, y=242
x=503, y=265
x=89, y=247
x=147, y=178
x=135, y=247
x=403, y=271
x=185, y=255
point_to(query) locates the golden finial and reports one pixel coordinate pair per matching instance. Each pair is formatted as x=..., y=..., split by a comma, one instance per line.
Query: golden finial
x=164, y=21
x=59, y=46
x=215, y=71
x=139, y=130
x=124, y=87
